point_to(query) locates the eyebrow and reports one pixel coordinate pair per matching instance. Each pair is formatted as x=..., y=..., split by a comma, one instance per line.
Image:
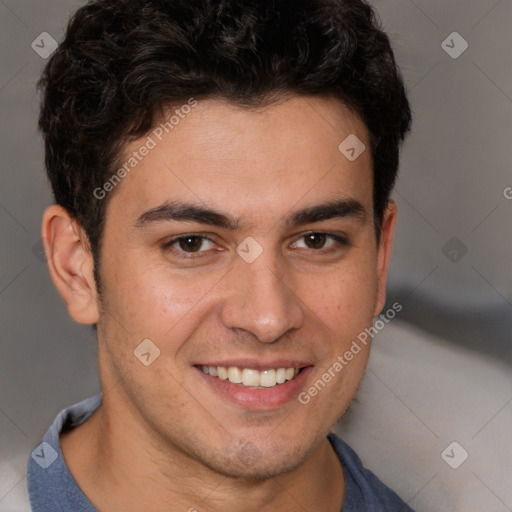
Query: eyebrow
x=180, y=211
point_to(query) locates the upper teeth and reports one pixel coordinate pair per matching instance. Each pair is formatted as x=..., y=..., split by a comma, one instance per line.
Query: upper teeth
x=250, y=377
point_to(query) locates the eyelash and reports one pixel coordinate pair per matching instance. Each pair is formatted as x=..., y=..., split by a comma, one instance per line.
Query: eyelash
x=341, y=241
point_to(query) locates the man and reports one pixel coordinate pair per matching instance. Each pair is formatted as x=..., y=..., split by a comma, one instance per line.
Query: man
x=222, y=173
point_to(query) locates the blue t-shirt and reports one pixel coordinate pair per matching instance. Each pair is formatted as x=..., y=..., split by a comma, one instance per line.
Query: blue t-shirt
x=52, y=488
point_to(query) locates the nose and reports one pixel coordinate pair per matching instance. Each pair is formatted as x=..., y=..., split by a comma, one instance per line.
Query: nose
x=260, y=302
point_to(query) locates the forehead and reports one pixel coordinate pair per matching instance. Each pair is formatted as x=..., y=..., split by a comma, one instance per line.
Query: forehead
x=249, y=159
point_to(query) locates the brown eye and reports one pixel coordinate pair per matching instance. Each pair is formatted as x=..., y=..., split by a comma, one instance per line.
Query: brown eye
x=190, y=243
x=315, y=240
x=322, y=242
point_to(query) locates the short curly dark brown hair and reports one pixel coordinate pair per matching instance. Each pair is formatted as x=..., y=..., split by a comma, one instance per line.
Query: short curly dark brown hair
x=123, y=63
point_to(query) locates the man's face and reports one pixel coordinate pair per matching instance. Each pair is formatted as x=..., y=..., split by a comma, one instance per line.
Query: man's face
x=283, y=298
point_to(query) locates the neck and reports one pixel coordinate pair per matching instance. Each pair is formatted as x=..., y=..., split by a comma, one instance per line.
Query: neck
x=121, y=468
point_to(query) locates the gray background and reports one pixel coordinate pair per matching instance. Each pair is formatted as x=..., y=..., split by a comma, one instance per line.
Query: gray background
x=455, y=169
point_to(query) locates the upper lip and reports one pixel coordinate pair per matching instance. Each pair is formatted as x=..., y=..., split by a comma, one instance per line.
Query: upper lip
x=257, y=364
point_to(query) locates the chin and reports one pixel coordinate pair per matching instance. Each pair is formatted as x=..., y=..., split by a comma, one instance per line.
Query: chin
x=248, y=462
x=258, y=471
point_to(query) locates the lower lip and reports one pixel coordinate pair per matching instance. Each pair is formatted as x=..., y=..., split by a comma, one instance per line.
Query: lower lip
x=257, y=399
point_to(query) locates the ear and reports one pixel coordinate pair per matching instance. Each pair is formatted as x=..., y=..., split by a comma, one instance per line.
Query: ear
x=384, y=254
x=70, y=263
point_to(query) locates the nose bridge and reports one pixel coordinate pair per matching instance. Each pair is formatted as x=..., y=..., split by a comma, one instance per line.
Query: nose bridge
x=259, y=301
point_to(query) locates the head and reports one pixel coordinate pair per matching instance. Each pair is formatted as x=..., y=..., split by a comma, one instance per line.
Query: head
x=223, y=121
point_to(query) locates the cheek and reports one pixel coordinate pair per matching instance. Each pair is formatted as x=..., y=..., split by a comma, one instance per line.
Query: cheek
x=344, y=299
x=344, y=302
x=151, y=302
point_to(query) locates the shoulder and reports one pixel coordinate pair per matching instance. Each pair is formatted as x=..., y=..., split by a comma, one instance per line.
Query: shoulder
x=363, y=490
x=50, y=484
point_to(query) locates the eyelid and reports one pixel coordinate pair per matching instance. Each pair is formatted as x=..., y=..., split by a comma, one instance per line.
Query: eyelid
x=340, y=239
x=175, y=239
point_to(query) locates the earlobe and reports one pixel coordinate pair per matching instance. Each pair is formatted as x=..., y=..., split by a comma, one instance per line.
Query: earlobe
x=70, y=263
x=384, y=254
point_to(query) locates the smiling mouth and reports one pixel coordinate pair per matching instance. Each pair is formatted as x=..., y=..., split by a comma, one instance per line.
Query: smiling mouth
x=251, y=378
